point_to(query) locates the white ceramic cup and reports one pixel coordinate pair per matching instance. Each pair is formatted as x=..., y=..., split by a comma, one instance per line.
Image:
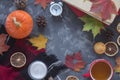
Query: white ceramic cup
x=37, y=70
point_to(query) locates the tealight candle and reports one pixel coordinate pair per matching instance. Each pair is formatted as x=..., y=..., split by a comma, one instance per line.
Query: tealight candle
x=37, y=70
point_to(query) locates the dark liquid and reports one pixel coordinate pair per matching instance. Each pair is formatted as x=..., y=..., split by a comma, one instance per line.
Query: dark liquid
x=101, y=71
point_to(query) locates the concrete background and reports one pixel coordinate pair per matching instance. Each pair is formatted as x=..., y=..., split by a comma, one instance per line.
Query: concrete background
x=64, y=34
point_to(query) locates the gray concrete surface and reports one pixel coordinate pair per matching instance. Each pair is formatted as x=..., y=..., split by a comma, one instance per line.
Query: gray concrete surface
x=64, y=34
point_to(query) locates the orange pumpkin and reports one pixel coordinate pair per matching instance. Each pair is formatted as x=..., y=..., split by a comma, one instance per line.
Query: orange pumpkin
x=19, y=24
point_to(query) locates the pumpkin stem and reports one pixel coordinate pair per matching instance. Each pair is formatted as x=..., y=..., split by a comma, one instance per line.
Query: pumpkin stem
x=16, y=22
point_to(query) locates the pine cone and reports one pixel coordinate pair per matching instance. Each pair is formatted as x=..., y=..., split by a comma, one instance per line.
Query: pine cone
x=41, y=22
x=20, y=4
x=108, y=35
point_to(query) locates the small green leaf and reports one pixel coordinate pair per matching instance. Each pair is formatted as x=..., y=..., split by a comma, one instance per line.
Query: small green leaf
x=88, y=28
x=92, y=24
x=95, y=31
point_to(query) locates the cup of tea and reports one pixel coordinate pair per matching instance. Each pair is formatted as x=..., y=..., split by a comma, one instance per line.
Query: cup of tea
x=100, y=69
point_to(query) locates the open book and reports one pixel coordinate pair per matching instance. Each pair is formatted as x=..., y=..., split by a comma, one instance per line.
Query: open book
x=85, y=6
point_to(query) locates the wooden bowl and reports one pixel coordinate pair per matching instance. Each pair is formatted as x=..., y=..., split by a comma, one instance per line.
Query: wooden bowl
x=18, y=59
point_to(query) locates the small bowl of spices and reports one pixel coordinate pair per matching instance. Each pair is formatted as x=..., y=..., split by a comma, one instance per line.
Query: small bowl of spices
x=111, y=49
x=72, y=78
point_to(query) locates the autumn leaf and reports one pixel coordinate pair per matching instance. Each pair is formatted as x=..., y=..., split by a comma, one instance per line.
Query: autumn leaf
x=43, y=3
x=77, y=56
x=104, y=8
x=69, y=61
x=3, y=46
x=91, y=24
x=39, y=42
x=74, y=62
x=78, y=66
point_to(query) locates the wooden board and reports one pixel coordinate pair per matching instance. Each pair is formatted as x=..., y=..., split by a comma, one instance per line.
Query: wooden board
x=85, y=6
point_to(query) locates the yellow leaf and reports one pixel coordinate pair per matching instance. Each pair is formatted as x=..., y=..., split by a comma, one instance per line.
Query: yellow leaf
x=39, y=42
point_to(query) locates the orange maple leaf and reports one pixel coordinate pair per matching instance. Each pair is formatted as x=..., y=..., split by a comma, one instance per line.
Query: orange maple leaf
x=43, y=3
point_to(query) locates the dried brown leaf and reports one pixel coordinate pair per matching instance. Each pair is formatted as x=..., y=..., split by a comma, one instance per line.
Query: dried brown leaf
x=3, y=46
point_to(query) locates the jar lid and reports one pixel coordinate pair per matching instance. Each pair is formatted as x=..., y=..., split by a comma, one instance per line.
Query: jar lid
x=37, y=70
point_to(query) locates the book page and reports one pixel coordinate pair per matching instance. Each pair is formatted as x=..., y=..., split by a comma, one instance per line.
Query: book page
x=85, y=6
